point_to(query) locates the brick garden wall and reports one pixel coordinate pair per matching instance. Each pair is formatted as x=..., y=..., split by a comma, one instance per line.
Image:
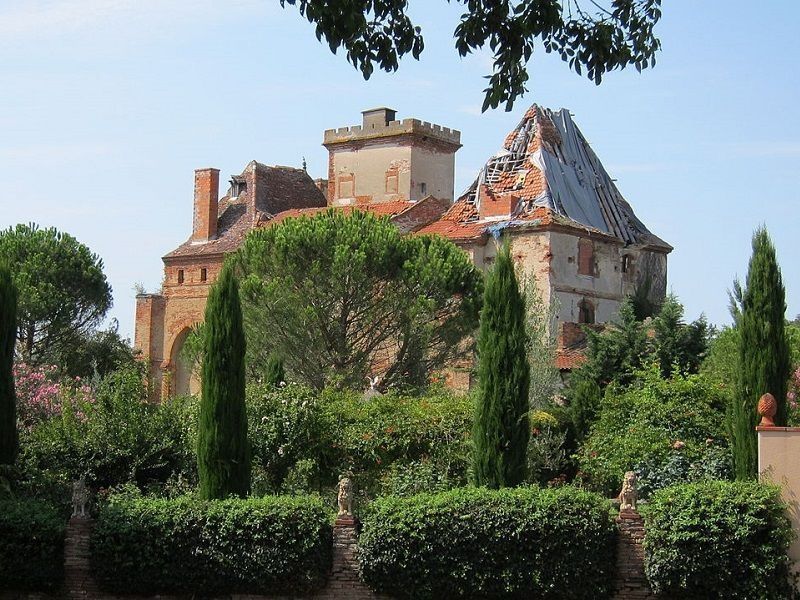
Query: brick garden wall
x=344, y=582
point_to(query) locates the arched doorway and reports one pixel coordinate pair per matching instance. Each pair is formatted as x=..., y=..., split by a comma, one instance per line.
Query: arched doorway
x=187, y=376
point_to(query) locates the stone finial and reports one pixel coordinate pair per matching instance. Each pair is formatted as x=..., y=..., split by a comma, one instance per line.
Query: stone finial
x=628, y=495
x=767, y=408
x=80, y=496
x=345, y=497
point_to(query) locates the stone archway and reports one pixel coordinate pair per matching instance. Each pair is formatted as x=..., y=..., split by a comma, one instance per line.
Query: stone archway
x=185, y=379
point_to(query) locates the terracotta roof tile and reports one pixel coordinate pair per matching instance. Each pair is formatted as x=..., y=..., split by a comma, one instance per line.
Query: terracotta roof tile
x=454, y=230
x=568, y=359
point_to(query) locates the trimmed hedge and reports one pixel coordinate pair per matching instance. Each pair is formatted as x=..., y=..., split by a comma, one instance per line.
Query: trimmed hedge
x=718, y=540
x=259, y=545
x=31, y=545
x=479, y=543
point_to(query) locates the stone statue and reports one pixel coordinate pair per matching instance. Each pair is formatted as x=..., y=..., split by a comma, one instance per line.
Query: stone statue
x=80, y=496
x=345, y=497
x=628, y=495
x=373, y=390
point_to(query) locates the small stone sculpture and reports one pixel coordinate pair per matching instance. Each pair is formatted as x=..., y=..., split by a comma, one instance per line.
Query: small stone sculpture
x=767, y=408
x=373, y=390
x=345, y=497
x=628, y=495
x=80, y=496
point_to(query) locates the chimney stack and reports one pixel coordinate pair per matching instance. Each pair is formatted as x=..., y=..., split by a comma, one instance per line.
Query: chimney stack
x=206, y=199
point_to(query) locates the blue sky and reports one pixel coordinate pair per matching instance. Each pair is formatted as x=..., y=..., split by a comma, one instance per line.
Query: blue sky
x=107, y=107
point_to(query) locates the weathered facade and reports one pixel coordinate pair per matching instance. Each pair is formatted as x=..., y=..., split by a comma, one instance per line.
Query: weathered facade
x=571, y=231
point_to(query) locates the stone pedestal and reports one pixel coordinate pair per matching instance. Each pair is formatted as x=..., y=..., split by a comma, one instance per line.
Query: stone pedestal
x=631, y=583
x=78, y=581
x=344, y=581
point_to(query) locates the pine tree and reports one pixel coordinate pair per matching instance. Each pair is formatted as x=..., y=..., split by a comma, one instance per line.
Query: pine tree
x=8, y=335
x=223, y=451
x=501, y=430
x=764, y=361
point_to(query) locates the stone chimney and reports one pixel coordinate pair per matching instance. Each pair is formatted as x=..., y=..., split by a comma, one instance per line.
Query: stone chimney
x=377, y=118
x=206, y=198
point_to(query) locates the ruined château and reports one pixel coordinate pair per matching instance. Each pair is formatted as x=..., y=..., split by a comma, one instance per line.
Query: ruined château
x=570, y=229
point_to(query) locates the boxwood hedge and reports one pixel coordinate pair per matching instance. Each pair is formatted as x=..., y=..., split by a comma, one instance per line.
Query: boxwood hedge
x=479, y=543
x=31, y=545
x=185, y=545
x=718, y=539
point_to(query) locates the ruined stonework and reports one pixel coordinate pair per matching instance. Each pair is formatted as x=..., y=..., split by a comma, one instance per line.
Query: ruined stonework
x=570, y=229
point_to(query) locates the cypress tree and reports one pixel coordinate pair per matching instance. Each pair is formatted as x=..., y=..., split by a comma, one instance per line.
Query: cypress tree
x=8, y=336
x=275, y=371
x=223, y=451
x=501, y=430
x=764, y=360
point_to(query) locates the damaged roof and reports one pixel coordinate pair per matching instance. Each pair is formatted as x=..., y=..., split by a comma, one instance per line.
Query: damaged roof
x=545, y=173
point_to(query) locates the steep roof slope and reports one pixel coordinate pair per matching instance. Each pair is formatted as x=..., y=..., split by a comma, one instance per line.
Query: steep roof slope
x=546, y=170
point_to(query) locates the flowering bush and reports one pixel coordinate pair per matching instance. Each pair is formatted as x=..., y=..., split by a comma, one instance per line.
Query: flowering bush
x=116, y=437
x=41, y=394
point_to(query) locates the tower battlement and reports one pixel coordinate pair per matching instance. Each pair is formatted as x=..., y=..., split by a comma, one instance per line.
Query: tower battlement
x=379, y=123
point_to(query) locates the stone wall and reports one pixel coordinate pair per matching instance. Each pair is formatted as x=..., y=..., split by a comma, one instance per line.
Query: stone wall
x=343, y=582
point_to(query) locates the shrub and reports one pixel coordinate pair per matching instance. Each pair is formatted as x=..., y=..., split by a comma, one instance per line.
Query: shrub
x=718, y=540
x=546, y=455
x=284, y=427
x=367, y=437
x=118, y=437
x=479, y=543
x=667, y=431
x=185, y=545
x=31, y=545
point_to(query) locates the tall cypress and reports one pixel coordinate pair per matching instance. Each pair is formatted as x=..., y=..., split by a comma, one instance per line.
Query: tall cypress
x=223, y=451
x=8, y=336
x=501, y=431
x=764, y=360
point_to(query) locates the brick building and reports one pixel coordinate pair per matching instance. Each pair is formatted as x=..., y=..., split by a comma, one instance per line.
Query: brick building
x=571, y=231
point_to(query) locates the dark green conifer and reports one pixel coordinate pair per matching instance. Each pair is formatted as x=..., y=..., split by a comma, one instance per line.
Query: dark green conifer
x=8, y=336
x=501, y=430
x=223, y=451
x=764, y=361
x=276, y=375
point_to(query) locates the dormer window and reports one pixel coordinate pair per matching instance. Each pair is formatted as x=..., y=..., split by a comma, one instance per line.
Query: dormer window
x=238, y=186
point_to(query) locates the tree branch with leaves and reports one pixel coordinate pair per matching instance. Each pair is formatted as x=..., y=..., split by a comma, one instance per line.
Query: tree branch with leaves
x=591, y=37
